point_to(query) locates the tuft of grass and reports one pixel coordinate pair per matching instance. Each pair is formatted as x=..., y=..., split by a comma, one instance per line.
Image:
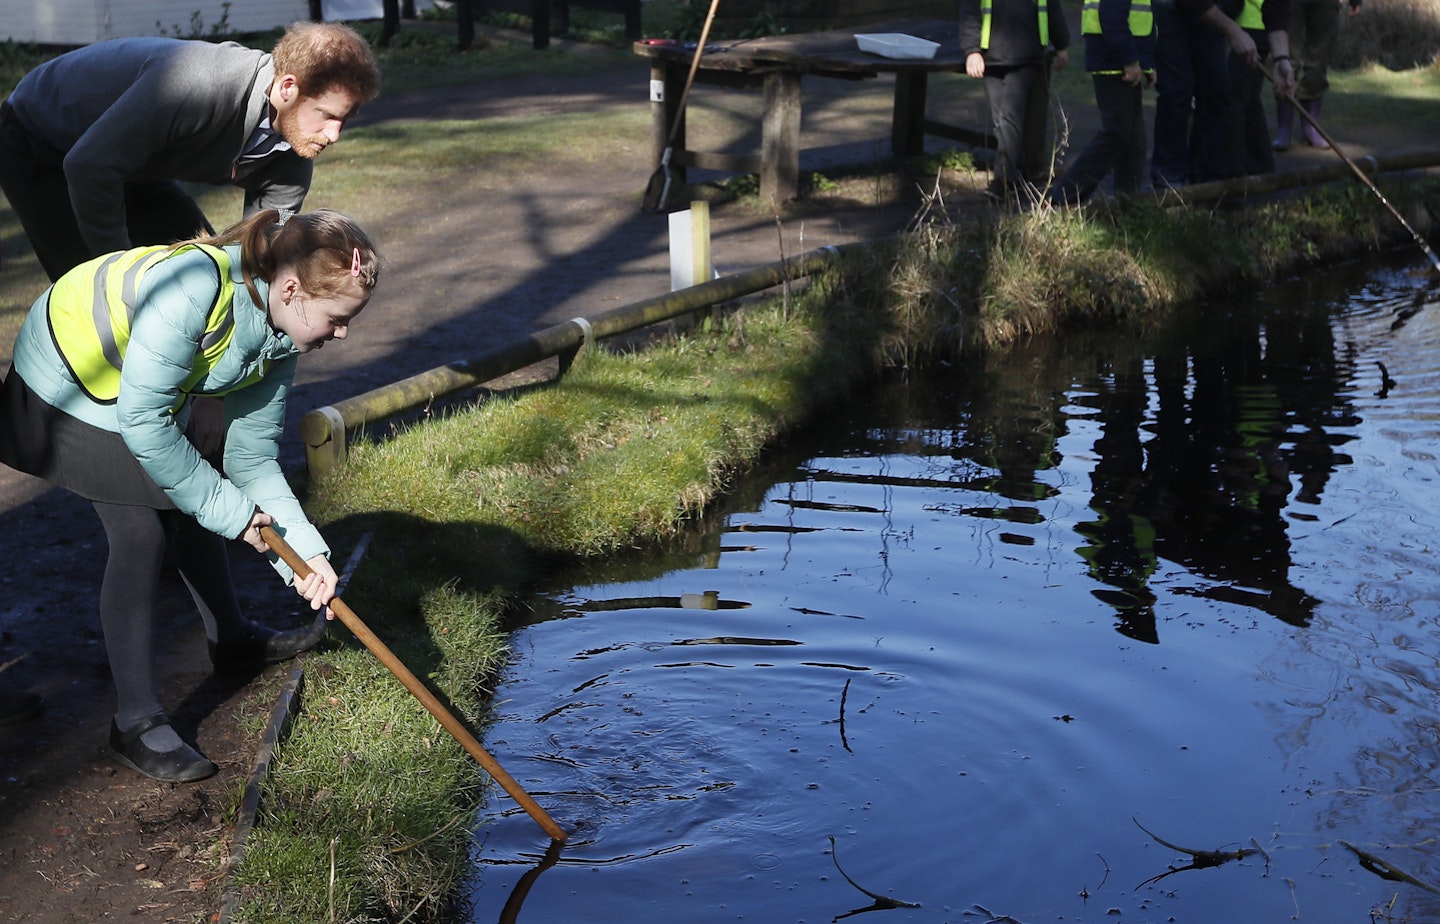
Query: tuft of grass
x=951, y=287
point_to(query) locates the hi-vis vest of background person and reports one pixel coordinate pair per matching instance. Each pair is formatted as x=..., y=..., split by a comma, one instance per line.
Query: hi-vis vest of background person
x=1142, y=21
x=91, y=308
x=985, y=15
x=1251, y=17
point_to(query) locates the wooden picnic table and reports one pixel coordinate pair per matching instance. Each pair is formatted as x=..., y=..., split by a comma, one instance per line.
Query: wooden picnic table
x=777, y=63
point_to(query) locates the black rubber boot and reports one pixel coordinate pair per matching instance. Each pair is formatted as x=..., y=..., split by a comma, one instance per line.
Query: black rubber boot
x=262, y=646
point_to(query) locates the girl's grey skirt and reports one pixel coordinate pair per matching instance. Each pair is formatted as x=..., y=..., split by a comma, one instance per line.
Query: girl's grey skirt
x=41, y=440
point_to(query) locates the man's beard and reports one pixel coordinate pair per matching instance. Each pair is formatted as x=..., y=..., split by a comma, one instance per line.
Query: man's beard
x=307, y=146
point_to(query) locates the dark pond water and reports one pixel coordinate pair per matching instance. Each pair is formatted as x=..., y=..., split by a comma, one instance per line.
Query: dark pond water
x=943, y=661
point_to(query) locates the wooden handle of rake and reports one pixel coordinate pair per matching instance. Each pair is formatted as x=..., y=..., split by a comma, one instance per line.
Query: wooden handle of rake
x=694, y=66
x=420, y=691
x=1354, y=168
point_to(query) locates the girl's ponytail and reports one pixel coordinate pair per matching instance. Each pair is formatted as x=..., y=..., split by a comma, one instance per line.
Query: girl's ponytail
x=327, y=250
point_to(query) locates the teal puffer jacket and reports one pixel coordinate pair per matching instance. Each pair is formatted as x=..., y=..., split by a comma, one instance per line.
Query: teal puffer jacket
x=172, y=304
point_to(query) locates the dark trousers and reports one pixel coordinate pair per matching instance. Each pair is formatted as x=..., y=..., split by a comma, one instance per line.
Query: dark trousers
x=1119, y=146
x=32, y=176
x=1247, y=150
x=1019, y=99
x=1191, y=66
x=1313, y=27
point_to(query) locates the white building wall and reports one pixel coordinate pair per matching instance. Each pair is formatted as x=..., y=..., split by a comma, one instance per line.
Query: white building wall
x=49, y=21
x=196, y=18
x=80, y=22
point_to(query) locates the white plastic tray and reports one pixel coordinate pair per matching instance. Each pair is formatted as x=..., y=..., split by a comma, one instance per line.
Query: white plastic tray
x=896, y=45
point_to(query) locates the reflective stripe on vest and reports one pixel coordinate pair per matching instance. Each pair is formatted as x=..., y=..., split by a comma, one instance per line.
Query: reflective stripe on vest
x=1142, y=21
x=985, y=8
x=1250, y=17
x=91, y=309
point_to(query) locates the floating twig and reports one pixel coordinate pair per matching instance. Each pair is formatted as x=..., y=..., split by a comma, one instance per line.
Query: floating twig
x=1199, y=859
x=881, y=901
x=1386, y=383
x=1385, y=869
x=993, y=917
x=1085, y=890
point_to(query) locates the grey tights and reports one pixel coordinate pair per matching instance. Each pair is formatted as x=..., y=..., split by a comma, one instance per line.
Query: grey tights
x=138, y=537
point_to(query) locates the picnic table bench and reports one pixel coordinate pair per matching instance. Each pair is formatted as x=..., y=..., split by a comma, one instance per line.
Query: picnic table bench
x=778, y=63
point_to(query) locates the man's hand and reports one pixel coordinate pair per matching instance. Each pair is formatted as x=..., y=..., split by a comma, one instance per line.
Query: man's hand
x=1284, y=76
x=1282, y=72
x=1242, y=44
x=975, y=64
x=1061, y=58
x=1240, y=41
x=1132, y=74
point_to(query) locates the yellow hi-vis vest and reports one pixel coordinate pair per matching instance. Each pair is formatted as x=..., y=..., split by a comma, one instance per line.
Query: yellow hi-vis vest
x=987, y=5
x=91, y=308
x=1142, y=21
x=1250, y=17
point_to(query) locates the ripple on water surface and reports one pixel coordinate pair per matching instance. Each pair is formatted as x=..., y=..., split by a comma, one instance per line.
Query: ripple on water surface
x=987, y=628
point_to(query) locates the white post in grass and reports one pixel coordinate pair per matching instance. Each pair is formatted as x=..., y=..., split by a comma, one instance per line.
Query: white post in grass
x=690, y=262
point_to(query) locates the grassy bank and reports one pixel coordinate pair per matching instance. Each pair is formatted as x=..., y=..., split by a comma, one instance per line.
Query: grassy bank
x=617, y=456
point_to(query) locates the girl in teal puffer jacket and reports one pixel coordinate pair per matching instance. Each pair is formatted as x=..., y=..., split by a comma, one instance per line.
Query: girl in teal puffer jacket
x=106, y=367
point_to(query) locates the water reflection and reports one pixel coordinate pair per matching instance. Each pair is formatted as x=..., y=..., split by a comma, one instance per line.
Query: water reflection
x=708, y=600
x=980, y=631
x=1203, y=477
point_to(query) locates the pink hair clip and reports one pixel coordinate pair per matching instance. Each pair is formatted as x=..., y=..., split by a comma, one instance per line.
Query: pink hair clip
x=355, y=262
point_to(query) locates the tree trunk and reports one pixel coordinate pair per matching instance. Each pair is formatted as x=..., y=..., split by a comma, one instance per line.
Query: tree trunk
x=391, y=23
x=465, y=16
